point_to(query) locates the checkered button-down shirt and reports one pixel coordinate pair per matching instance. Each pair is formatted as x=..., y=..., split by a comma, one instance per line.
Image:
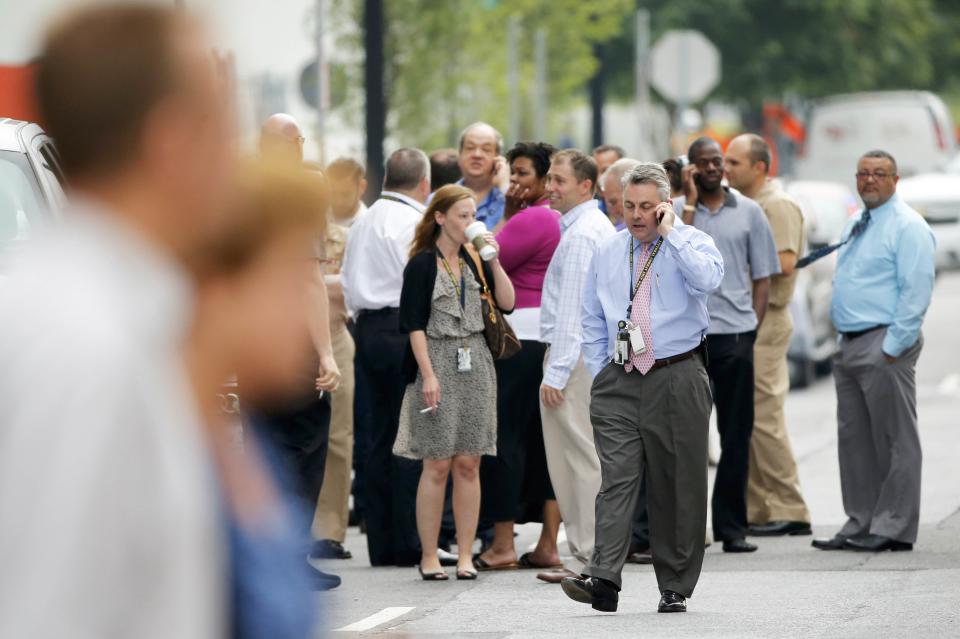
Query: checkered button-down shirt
x=582, y=230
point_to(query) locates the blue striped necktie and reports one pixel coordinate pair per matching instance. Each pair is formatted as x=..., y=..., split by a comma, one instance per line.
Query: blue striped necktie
x=857, y=229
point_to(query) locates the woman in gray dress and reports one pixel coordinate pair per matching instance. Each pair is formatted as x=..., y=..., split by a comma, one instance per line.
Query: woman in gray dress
x=449, y=414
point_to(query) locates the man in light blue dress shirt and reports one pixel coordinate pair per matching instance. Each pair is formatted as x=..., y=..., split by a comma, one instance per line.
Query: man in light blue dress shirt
x=881, y=291
x=651, y=410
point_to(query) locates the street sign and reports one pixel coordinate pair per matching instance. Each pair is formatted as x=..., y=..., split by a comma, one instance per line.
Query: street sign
x=684, y=66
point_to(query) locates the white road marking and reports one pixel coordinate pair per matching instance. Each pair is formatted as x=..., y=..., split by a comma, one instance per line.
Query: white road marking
x=377, y=619
x=950, y=385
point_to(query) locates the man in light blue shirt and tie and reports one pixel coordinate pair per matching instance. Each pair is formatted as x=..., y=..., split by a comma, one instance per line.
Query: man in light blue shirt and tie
x=644, y=320
x=881, y=291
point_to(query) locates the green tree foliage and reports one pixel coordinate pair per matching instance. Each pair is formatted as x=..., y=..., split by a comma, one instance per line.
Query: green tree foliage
x=447, y=60
x=812, y=48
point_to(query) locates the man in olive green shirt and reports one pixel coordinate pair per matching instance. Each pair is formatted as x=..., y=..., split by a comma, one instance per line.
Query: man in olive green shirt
x=774, y=503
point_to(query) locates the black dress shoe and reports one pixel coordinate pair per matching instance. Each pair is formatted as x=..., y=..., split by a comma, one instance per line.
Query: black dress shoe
x=738, y=545
x=323, y=580
x=599, y=593
x=780, y=528
x=876, y=543
x=837, y=542
x=672, y=601
x=329, y=549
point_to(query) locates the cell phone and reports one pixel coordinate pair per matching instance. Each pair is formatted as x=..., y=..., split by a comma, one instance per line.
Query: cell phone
x=659, y=218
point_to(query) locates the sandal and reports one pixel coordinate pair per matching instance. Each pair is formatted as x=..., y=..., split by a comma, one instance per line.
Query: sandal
x=466, y=575
x=434, y=576
x=529, y=564
x=481, y=564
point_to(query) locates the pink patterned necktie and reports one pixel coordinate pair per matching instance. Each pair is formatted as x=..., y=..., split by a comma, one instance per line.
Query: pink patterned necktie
x=640, y=316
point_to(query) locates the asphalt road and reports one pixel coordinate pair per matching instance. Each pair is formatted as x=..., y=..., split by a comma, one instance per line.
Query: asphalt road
x=786, y=589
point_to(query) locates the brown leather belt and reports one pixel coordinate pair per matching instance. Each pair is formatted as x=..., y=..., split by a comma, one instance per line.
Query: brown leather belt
x=856, y=334
x=667, y=361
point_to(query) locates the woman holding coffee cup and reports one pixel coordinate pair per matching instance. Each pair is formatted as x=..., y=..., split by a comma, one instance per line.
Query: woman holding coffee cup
x=449, y=424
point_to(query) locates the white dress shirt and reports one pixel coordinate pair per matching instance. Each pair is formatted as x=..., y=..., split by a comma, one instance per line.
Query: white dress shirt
x=582, y=229
x=109, y=522
x=378, y=247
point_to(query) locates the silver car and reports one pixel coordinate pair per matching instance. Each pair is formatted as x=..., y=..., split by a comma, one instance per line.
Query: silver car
x=826, y=206
x=31, y=182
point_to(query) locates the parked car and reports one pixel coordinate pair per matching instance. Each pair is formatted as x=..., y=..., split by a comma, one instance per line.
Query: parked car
x=913, y=126
x=936, y=196
x=31, y=181
x=826, y=206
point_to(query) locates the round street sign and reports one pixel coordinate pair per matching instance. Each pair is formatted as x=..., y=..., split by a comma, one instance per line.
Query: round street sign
x=684, y=66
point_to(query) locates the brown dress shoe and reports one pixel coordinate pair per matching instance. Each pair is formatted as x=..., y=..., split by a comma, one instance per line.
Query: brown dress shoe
x=556, y=576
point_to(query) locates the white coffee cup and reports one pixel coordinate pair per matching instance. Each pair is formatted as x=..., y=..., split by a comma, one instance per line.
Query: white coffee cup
x=475, y=233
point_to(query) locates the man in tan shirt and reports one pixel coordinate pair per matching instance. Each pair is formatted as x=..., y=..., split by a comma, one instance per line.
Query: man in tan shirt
x=347, y=184
x=774, y=503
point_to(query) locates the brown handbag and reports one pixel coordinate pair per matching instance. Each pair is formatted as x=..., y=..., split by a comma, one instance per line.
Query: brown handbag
x=500, y=337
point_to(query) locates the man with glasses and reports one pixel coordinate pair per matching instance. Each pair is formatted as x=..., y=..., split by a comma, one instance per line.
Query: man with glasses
x=881, y=291
x=741, y=231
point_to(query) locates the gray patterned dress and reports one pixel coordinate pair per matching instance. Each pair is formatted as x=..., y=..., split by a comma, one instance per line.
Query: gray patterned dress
x=465, y=422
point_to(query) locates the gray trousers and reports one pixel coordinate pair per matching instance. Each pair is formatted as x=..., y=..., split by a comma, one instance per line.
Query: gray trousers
x=655, y=424
x=879, y=446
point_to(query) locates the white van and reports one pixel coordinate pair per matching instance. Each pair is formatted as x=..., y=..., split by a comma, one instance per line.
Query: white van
x=915, y=127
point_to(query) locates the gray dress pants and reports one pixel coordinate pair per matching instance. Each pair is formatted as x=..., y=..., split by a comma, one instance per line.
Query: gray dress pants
x=655, y=424
x=879, y=446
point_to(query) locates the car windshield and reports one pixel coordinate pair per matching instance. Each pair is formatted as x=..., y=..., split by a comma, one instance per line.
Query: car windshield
x=21, y=201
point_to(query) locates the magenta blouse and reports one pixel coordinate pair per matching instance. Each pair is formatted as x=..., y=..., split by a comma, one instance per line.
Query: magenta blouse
x=527, y=243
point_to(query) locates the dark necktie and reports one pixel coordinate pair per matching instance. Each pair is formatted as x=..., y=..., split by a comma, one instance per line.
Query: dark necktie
x=857, y=229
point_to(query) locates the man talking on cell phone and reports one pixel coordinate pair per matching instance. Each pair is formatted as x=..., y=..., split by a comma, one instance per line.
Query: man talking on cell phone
x=644, y=320
x=480, y=148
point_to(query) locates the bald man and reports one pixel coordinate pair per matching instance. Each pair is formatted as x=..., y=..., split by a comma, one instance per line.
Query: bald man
x=282, y=138
x=300, y=430
x=775, y=505
x=481, y=146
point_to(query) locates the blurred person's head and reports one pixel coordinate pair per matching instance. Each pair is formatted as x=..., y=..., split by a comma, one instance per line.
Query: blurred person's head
x=706, y=155
x=674, y=169
x=644, y=188
x=281, y=139
x=407, y=171
x=139, y=111
x=611, y=183
x=529, y=164
x=571, y=180
x=348, y=182
x=452, y=209
x=747, y=163
x=252, y=312
x=480, y=145
x=605, y=155
x=444, y=168
x=876, y=178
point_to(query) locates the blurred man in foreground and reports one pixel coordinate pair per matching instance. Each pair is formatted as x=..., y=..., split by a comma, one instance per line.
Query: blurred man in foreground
x=109, y=522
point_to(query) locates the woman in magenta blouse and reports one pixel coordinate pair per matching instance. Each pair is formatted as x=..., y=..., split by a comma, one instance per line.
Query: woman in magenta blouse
x=515, y=483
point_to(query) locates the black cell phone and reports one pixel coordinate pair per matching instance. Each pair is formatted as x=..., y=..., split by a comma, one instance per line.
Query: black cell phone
x=659, y=218
x=696, y=180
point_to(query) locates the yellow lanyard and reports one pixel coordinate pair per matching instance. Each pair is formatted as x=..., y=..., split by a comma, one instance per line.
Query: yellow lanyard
x=461, y=293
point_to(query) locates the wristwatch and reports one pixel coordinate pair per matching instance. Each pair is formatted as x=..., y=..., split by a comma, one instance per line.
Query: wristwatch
x=688, y=208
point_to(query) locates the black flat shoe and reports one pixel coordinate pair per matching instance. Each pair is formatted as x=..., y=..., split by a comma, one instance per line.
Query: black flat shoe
x=599, y=593
x=466, y=575
x=320, y=580
x=672, y=601
x=876, y=543
x=329, y=549
x=837, y=542
x=433, y=576
x=738, y=545
x=780, y=528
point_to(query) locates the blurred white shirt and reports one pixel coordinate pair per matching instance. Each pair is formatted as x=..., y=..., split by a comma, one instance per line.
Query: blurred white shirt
x=378, y=247
x=109, y=521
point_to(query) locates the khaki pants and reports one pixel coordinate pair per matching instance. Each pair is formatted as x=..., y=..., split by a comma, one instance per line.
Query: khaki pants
x=573, y=464
x=773, y=489
x=333, y=506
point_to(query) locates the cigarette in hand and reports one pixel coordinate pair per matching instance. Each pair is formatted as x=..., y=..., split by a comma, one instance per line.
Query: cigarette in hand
x=427, y=410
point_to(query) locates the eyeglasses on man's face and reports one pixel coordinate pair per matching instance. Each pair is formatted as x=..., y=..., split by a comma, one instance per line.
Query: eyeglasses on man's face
x=876, y=175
